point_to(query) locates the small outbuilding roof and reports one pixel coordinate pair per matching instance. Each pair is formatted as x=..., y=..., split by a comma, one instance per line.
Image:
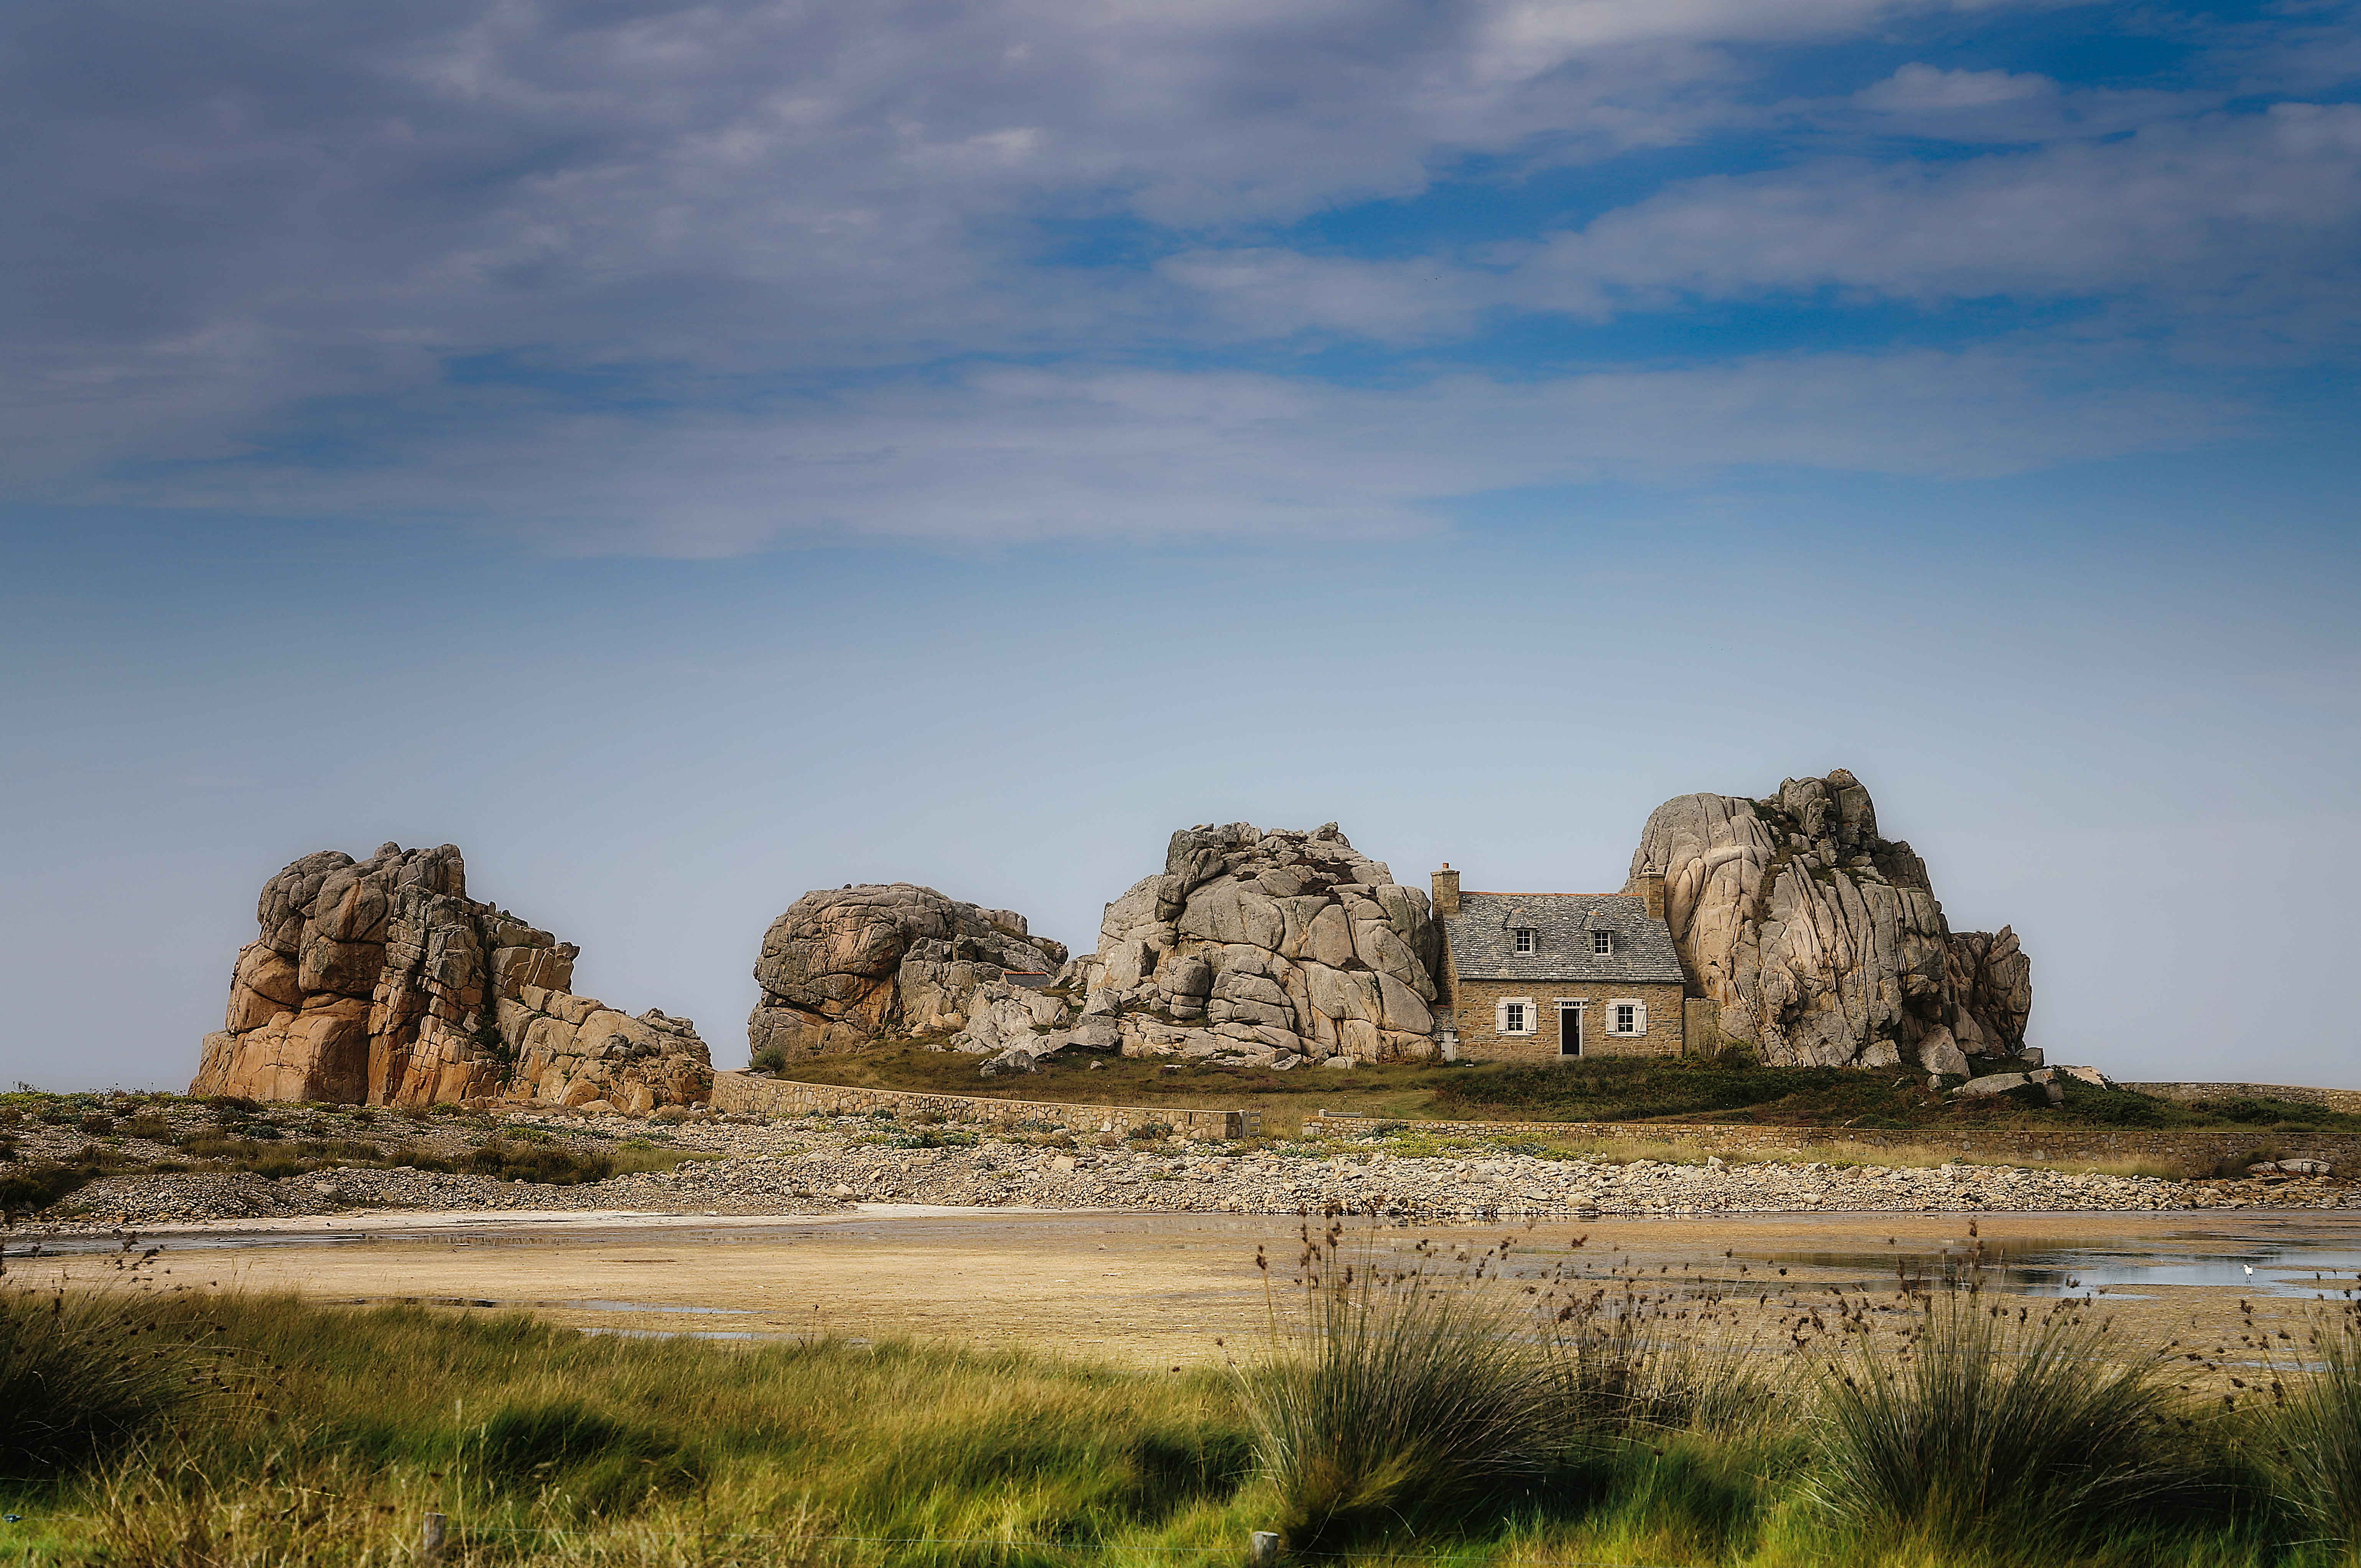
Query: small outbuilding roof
x=1484, y=947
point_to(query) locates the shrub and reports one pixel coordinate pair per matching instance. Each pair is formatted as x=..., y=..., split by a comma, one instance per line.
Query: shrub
x=1409, y=1404
x=1977, y=1429
x=557, y=1167
x=2318, y=1433
x=770, y=1059
x=31, y=1188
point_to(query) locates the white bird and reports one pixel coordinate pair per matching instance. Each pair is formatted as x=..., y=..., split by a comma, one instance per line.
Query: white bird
x=2249, y=1268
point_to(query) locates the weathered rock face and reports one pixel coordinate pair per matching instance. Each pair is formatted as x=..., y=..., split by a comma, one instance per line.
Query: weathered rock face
x=1822, y=943
x=1268, y=946
x=380, y=981
x=844, y=968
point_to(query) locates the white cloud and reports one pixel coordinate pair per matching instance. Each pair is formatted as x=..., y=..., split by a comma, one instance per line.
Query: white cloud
x=1917, y=88
x=2222, y=231
x=274, y=259
x=1076, y=452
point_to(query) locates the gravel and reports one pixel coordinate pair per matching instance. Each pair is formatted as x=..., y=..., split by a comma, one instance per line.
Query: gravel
x=818, y=1166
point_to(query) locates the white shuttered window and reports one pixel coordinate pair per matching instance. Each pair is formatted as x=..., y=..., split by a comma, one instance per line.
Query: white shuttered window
x=1627, y=1015
x=1515, y=1016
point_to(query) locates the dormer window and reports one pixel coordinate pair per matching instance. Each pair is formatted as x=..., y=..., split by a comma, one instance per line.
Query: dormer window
x=1602, y=942
x=1524, y=939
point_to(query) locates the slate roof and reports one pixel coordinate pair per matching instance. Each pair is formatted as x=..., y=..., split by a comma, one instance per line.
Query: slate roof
x=1483, y=938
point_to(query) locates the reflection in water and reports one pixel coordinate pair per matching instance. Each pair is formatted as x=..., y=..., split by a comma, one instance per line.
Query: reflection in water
x=2277, y=1266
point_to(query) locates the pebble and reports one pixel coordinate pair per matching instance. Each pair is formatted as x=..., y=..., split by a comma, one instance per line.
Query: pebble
x=818, y=1166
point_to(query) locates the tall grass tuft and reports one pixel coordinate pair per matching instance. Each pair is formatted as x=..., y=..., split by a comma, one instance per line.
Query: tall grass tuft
x=1611, y=1373
x=1978, y=1429
x=82, y=1372
x=2317, y=1435
x=1408, y=1402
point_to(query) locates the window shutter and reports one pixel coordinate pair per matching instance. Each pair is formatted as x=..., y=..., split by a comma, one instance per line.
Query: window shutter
x=1639, y=1019
x=1500, y=1018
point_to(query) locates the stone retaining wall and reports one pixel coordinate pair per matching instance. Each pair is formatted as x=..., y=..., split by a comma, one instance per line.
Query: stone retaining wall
x=779, y=1097
x=2197, y=1150
x=2343, y=1100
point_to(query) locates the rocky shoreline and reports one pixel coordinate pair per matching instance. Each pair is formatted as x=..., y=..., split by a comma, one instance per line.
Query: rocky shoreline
x=816, y=1165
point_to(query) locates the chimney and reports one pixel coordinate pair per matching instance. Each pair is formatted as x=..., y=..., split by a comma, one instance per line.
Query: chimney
x=1650, y=885
x=1446, y=891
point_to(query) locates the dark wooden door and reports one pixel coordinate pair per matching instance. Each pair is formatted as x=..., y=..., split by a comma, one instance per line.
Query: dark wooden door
x=1569, y=1030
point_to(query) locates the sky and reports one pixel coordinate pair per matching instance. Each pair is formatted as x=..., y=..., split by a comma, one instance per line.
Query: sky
x=690, y=454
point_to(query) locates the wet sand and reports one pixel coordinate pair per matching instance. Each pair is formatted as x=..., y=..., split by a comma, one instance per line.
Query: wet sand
x=1160, y=1289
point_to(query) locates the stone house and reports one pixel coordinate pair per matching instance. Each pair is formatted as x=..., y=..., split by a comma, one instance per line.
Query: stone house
x=1557, y=976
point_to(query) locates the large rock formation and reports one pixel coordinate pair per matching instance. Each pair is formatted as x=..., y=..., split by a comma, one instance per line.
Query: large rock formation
x=1821, y=943
x=380, y=981
x=1268, y=946
x=845, y=968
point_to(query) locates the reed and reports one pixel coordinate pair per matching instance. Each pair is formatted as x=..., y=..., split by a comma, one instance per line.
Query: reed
x=1394, y=1402
x=82, y=1372
x=1416, y=1410
x=2315, y=1435
x=1974, y=1428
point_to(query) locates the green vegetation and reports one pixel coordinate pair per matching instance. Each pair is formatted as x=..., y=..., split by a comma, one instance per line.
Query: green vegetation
x=2318, y=1454
x=83, y=1374
x=1409, y=1407
x=1405, y=1415
x=238, y=1135
x=1979, y=1429
x=1695, y=1089
x=1729, y=1089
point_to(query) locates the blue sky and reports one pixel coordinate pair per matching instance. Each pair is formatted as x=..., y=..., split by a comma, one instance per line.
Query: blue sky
x=690, y=454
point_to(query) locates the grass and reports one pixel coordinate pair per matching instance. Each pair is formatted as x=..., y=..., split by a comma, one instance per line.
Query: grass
x=1403, y=1402
x=549, y=1445
x=1983, y=1431
x=1408, y=1416
x=2316, y=1462
x=82, y=1372
x=1677, y=1089
x=1734, y=1089
x=1409, y=1141
x=281, y=1141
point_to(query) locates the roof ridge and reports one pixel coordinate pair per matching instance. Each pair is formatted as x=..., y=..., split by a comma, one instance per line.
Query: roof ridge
x=1495, y=893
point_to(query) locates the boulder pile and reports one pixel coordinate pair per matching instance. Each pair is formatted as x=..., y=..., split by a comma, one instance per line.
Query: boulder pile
x=1264, y=945
x=381, y=982
x=1821, y=943
x=845, y=968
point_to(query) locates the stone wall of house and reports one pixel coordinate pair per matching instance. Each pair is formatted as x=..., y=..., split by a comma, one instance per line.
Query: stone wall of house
x=751, y=1095
x=1475, y=1011
x=2199, y=1151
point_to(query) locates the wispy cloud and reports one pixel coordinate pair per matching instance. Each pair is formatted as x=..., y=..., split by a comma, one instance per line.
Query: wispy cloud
x=697, y=278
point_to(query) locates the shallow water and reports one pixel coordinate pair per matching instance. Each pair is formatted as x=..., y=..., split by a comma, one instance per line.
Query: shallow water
x=2301, y=1266
x=2305, y=1257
